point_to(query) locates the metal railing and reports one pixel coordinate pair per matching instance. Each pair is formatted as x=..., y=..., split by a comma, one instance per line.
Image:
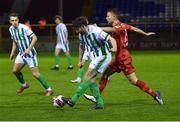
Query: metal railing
x=47, y=33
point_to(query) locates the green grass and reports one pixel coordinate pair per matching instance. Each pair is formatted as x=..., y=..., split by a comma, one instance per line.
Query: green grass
x=123, y=101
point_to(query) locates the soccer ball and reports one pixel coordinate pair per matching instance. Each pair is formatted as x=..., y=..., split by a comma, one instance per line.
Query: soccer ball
x=58, y=102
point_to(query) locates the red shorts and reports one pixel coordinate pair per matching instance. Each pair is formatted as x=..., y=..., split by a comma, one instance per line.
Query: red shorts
x=124, y=65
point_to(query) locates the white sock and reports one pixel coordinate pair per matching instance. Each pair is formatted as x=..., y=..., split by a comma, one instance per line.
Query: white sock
x=78, y=78
x=24, y=84
x=49, y=89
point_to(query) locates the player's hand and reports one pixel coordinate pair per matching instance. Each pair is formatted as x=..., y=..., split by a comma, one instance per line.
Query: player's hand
x=80, y=64
x=26, y=53
x=150, y=33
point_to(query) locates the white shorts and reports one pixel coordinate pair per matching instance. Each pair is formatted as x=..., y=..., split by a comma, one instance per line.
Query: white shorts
x=64, y=47
x=86, y=56
x=31, y=61
x=100, y=63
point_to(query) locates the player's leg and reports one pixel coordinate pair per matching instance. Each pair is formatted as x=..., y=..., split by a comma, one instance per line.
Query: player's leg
x=56, y=57
x=33, y=64
x=81, y=89
x=69, y=60
x=80, y=72
x=104, y=79
x=144, y=87
x=102, y=83
x=94, y=87
x=42, y=80
x=67, y=53
x=19, y=64
x=98, y=64
x=108, y=72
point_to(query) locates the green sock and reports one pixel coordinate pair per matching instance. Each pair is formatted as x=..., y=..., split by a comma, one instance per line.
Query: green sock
x=69, y=60
x=57, y=60
x=19, y=76
x=95, y=91
x=80, y=90
x=80, y=72
x=43, y=81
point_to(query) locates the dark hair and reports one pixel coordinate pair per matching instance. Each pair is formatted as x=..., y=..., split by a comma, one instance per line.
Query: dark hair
x=80, y=21
x=114, y=11
x=58, y=17
x=13, y=15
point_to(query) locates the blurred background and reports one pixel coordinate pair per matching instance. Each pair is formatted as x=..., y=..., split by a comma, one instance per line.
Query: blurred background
x=160, y=16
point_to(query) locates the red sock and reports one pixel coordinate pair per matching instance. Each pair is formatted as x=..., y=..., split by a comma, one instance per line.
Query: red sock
x=143, y=86
x=102, y=84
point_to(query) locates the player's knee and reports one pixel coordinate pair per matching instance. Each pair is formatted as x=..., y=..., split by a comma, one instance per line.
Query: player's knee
x=35, y=74
x=133, y=81
x=14, y=71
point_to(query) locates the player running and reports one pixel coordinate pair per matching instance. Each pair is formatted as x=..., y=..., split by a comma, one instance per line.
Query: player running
x=24, y=39
x=123, y=61
x=97, y=40
x=62, y=43
x=87, y=55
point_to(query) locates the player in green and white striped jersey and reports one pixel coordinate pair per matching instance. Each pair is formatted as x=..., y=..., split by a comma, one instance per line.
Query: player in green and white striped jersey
x=62, y=43
x=24, y=39
x=97, y=40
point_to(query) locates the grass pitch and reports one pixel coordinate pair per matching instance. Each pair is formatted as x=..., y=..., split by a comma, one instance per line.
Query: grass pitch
x=123, y=101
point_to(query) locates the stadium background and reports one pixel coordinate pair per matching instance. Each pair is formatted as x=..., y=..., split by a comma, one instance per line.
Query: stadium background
x=160, y=16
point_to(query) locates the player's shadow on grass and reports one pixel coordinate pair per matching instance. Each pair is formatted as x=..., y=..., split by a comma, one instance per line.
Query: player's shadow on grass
x=33, y=93
x=137, y=102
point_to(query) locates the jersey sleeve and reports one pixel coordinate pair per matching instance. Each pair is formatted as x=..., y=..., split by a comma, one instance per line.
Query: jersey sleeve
x=104, y=36
x=11, y=33
x=64, y=28
x=122, y=26
x=28, y=31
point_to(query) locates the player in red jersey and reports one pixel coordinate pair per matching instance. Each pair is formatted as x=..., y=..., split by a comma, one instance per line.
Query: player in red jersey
x=123, y=61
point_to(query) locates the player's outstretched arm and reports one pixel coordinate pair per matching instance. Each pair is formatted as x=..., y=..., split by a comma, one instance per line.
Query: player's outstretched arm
x=141, y=31
x=114, y=45
x=108, y=29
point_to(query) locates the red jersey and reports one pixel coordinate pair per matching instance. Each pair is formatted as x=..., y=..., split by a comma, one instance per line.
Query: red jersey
x=121, y=39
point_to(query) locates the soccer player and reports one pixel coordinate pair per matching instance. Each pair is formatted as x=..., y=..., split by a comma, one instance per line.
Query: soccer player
x=62, y=43
x=24, y=39
x=123, y=61
x=97, y=40
x=86, y=56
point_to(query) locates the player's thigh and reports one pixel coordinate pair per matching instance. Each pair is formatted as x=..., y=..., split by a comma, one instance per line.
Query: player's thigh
x=19, y=64
x=100, y=63
x=32, y=62
x=57, y=51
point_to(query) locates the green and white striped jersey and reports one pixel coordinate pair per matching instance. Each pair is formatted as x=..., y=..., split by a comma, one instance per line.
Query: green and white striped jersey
x=60, y=31
x=97, y=40
x=22, y=36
